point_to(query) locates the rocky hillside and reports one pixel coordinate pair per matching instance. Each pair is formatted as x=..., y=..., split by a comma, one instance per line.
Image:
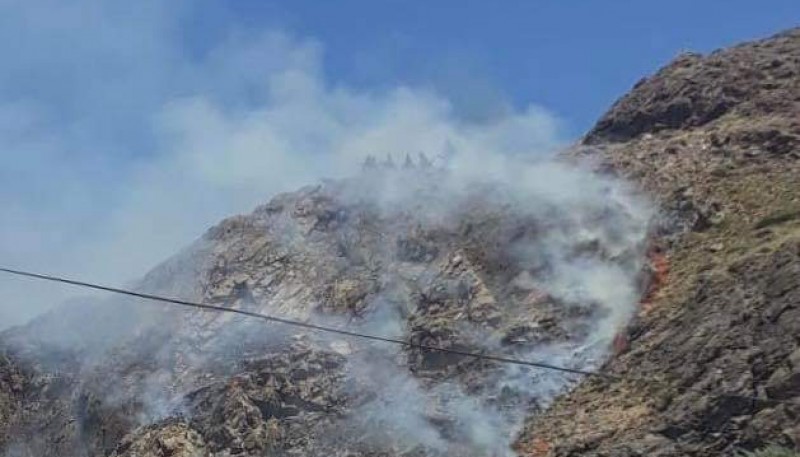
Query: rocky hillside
x=423, y=255
x=698, y=314
x=713, y=357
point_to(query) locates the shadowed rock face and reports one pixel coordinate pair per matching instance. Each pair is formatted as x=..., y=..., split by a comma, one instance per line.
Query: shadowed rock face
x=714, y=139
x=431, y=261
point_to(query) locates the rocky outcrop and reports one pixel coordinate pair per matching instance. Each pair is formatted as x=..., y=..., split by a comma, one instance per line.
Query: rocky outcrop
x=174, y=439
x=710, y=365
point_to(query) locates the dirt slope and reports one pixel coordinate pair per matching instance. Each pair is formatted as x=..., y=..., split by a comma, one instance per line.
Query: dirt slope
x=716, y=139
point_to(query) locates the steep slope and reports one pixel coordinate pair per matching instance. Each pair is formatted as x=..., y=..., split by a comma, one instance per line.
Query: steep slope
x=540, y=262
x=713, y=362
x=512, y=266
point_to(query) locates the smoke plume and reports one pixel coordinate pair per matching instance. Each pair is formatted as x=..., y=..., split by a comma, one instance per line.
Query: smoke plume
x=114, y=168
x=111, y=167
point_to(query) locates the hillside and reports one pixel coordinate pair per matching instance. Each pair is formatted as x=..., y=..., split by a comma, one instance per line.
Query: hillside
x=418, y=254
x=695, y=309
x=716, y=139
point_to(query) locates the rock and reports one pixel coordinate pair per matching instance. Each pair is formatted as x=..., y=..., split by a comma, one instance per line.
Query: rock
x=414, y=249
x=784, y=383
x=170, y=440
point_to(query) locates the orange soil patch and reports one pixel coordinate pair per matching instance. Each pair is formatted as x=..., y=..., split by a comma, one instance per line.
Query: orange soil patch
x=660, y=265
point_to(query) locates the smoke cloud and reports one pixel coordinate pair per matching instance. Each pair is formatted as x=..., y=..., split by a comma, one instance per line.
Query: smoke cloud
x=586, y=253
x=120, y=141
x=107, y=169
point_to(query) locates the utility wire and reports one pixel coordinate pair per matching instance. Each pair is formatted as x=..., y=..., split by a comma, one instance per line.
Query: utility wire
x=352, y=334
x=306, y=325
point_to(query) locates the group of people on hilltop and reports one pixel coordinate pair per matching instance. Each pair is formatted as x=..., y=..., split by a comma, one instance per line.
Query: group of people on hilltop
x=423, y=162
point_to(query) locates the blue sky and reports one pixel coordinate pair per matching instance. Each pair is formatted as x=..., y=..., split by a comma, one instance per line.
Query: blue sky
x=128, y=128
x=573, y=57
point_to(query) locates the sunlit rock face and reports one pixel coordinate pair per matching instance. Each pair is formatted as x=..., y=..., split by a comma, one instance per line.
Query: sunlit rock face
x=535, y=261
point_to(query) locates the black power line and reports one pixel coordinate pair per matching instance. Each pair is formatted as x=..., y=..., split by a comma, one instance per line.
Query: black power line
x=339, y=331
x=306, y=325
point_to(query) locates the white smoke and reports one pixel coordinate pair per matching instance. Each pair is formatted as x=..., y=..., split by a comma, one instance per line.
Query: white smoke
x=218, y=132
x=590, y=252
x=120, y=162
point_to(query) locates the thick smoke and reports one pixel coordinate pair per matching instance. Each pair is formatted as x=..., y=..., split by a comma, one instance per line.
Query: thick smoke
x=551, y=230
x=121, y=141
x=254, y=114
x=589, y=252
